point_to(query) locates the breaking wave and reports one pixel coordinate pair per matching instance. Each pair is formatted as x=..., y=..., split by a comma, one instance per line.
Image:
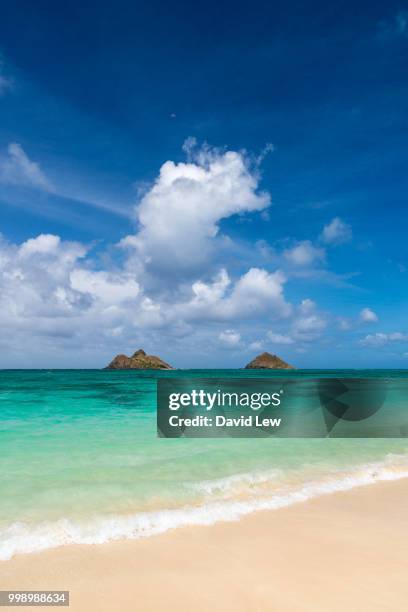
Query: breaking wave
x=20, y=537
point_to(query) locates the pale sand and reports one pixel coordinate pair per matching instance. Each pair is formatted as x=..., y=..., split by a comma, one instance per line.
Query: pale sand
x=345, y=552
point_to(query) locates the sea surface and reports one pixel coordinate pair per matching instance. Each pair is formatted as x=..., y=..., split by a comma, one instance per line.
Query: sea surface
x=80, y=460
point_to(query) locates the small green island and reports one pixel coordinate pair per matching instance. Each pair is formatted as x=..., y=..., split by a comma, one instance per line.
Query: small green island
x=267, y=361
x=141, y=361
x=138, y=361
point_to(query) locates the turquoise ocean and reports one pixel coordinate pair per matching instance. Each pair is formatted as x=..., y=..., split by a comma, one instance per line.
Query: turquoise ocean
x=80, y=460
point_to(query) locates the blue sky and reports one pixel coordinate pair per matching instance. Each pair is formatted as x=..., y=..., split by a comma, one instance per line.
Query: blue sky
x=204, y=182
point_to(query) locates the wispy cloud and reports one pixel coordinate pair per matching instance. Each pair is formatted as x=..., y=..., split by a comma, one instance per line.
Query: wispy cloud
x=16, y=168
x=6, y=83
x=396, y=26
x=381, y=339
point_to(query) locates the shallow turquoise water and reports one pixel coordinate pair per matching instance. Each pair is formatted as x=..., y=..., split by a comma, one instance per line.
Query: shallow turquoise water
x=80, y=460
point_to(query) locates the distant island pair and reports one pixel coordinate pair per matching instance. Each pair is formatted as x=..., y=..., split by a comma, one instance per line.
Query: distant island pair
x=140, y=361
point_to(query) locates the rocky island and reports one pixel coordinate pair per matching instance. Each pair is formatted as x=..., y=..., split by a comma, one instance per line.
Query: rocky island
x=266, y=361
x=138, y=361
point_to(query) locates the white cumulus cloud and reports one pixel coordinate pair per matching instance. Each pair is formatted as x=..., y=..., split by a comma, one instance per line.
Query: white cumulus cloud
x=51, y=292
x=108, y=288
x=230, y=338
x=304, y=254
x=171, y=286
x=179, y=216
x=309, y=323
x=255, y=293
x=368, y=316
x=280, y=338
x=336, y=232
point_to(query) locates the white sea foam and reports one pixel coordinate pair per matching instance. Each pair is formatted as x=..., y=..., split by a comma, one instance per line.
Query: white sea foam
x=230, y=484
x=25, y=538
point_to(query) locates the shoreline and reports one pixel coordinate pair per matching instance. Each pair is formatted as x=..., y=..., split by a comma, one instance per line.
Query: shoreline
x=145, y=524
x=346, y=549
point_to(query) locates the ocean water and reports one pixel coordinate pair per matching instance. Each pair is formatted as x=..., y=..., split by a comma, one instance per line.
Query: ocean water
x=80, y=461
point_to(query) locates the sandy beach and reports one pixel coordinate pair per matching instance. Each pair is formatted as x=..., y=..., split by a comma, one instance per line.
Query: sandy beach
x=346, y=551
